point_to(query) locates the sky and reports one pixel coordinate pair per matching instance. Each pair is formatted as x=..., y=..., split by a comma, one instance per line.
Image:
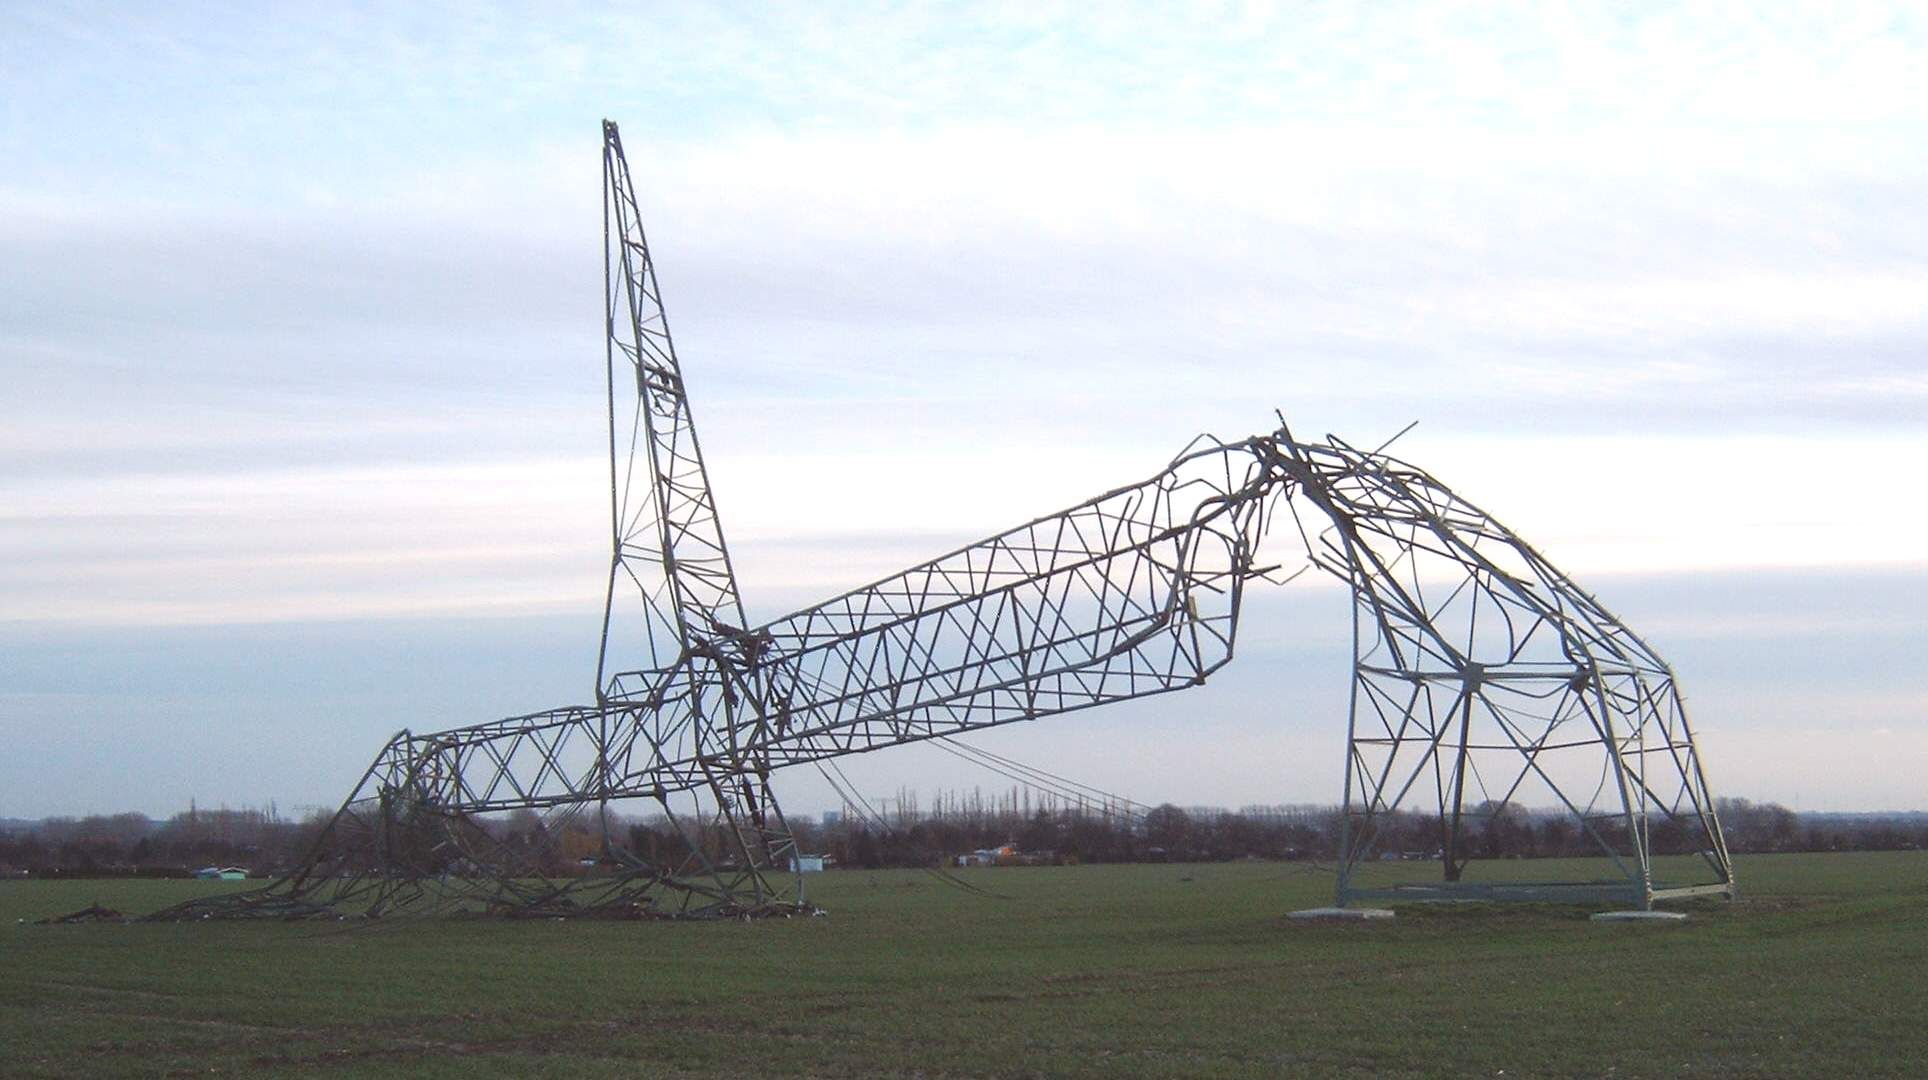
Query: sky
x=301, y=372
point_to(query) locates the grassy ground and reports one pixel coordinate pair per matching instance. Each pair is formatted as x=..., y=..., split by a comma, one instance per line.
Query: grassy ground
x=1821, y=969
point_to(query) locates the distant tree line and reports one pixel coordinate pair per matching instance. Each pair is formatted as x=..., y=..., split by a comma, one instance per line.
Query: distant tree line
x=903, y=835
x=1208, y=834
x=126, y=845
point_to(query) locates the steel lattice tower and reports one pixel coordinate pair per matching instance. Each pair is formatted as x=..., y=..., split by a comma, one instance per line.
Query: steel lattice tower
x=1479, y=669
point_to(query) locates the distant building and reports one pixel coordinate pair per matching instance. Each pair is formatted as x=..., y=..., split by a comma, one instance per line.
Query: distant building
x=832, y=818
x=808, y=864
x=222, y=873
x=984, y=856
x=1005, y=855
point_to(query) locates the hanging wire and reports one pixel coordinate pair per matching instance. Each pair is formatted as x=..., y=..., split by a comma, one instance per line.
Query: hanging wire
x=855, y=800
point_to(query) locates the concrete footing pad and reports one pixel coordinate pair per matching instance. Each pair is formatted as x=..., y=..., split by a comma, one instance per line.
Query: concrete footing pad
x=1640, y=916
x=1343, y=914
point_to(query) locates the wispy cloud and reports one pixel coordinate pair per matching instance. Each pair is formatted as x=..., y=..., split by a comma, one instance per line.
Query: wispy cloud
x=299, y=308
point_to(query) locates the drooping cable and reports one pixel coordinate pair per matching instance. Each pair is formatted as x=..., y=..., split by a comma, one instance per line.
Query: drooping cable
x=854, y=799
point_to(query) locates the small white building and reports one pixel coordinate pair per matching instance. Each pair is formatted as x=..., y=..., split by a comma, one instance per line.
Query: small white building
x=807, y=864
x=222, y=873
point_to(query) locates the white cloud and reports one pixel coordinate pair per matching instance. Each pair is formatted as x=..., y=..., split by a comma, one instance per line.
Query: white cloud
x=298, y=309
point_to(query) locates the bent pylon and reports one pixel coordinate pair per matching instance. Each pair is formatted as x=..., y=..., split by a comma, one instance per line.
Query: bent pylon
x=1483, y=677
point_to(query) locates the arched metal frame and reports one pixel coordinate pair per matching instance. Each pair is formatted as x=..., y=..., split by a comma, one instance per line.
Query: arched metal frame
x=1482, y=670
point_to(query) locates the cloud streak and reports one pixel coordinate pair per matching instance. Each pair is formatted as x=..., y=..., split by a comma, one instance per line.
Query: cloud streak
x=299, y=310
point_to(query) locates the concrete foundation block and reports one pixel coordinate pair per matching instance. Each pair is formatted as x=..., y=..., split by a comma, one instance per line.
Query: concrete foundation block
x=1343, y=914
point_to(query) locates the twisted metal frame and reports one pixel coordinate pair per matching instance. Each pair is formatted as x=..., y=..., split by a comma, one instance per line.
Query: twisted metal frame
x=1481, y=668
x=1132, y=593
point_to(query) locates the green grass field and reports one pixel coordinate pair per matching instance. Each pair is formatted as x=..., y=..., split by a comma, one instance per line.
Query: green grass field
x=1820, y=970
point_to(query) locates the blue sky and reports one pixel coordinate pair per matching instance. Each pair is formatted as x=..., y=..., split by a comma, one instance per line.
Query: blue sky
x=299, y=348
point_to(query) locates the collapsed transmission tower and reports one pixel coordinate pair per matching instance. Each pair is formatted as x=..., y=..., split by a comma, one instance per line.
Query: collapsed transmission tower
x=1482, y=677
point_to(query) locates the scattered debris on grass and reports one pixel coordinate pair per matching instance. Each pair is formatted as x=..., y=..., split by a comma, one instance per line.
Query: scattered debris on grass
x=92, y=913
